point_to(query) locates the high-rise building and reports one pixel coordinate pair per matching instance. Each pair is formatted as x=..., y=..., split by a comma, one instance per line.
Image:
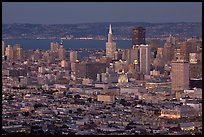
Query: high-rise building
x=168, y=50
x=73, y=56
x=130, y=55
x=54, y=46
x=9, y=52
x=138, y=36
x=3, y=48
x=184, y=51
x=110, y=45
x=18, y=52
x=61, y=52
x=180, y=75
x=168, y=53
x=118, y=55
x=144, y=57
x=158, y=62
x=51, y=46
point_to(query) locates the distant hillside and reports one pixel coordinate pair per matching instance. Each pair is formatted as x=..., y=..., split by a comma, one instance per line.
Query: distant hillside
x=120, y=30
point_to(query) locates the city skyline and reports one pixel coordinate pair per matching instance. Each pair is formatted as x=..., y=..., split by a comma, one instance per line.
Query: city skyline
x=108, y=78
x=93, y=12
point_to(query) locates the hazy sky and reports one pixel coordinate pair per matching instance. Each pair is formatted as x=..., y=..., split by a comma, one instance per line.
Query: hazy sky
x=82, y=12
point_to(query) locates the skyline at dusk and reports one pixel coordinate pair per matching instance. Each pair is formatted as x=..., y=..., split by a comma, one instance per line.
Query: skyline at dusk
x=102, y=68
x=91, y=12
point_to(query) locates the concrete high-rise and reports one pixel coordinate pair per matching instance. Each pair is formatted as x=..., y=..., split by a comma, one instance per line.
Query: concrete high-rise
x=144, y=59
x=18, y=52
x=168, y=50
x=3, y=48
x=9, y=52
x=73, y=56
x=130, y=55
x=180, y=75
x=62, y=52
x=138, y=36
x=168, y=53
x=54, y=46
x=110, y=45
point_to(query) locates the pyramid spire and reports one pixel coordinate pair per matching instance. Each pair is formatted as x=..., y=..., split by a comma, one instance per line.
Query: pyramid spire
x=110, y=30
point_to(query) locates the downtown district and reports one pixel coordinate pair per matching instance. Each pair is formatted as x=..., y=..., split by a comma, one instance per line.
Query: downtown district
x=147, y=89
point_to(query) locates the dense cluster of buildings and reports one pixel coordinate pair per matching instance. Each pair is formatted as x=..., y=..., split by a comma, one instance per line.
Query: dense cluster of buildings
x=146, y=89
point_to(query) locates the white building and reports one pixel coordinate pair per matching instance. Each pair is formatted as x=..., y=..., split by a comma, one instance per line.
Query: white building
x=110, y=45
x=144, y=55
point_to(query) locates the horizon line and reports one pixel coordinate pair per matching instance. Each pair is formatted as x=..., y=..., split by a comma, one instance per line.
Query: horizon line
x=98, y=22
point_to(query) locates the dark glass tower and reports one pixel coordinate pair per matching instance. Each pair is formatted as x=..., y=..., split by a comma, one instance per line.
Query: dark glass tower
x=138, y=36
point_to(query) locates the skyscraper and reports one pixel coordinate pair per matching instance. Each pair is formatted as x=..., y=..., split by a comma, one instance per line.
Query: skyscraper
x=130, y=55
x=61, y=52
x=180, y=75
x=138, y=36
x=9, y=52
x=110, y=45
x=54, y=46
x=73, y=56
x=168, y=50
x=168, y=53
x=3, y=48
x=144, y=57
x=18, y=52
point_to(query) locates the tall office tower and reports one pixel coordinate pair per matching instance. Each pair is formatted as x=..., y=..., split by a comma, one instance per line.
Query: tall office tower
x=61, y=52
x=18, y=52
x=168, y=53
x=168, y=50
x=15, y=47
x=110, y=45
x=9, y=52
x=130, y=55
x=138, y=36
x=48, y=57
x=3, y=48
x=190, y=46
x=184, y=51
x=73, y=56
x=54, y=46
x=194, y=44
x=195, y=65
x=144, y=56
x=180, y=75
